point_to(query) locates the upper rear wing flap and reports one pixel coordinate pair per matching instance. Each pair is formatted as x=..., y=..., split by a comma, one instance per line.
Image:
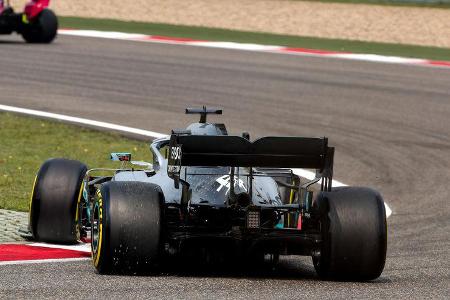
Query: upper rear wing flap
x=235, y=151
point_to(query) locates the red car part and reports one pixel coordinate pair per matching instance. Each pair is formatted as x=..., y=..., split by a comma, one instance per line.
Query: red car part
x=35, y=7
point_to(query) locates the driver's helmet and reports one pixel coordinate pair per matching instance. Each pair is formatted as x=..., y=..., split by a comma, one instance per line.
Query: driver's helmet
x=205, y=129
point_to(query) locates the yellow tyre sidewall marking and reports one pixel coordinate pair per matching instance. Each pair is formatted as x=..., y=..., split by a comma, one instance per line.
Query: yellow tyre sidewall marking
x=31, y=200
x=100, y=228
x=77, y=226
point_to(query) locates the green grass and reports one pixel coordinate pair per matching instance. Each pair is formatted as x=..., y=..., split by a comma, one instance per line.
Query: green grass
x=27, y=142
x=203, y=33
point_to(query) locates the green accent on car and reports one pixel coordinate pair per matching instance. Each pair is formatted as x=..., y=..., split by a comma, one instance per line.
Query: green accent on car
x=120, y=156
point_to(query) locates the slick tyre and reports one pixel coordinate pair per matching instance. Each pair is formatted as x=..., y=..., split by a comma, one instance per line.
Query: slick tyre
x=354, y=234
x=127, y=229
x=55, y=195
x=42, y=29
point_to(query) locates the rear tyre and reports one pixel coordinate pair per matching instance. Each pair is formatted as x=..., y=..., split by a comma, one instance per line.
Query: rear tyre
x=42, y=29
x=53, y=208
x=354, y=233
x=127, y=227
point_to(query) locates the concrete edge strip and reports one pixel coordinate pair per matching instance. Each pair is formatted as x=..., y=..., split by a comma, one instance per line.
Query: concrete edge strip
x=301, y=172
x=255, y=47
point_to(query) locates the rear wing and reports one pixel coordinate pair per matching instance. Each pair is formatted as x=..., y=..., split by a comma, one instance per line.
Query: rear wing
x=266, y=152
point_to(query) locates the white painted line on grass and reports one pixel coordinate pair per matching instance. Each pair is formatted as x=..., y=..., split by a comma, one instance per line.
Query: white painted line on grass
x=42, y=261
x=83, y=121
x=301, y=172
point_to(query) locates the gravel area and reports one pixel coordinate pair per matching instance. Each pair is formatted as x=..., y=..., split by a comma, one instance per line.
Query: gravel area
x=403, y=25
x=10, y=222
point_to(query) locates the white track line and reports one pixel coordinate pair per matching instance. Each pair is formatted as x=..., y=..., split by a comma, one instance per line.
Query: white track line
x=82, y=247
x=103, y=34
x=301, y=172
x=311, y=175
x=379, y=58
x=42, y=261
x=253, y=47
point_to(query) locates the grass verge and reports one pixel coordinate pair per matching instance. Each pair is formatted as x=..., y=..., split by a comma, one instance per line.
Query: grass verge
x=27, y=142
x=213, y=34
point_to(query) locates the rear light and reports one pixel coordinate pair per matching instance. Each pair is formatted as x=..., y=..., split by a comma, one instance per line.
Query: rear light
x=253, y=219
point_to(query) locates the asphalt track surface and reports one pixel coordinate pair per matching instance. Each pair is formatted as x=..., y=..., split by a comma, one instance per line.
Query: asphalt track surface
x=390, y=125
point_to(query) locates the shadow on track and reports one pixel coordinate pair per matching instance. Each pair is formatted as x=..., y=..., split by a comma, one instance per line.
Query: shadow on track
x=12, y=42
x=288, y=268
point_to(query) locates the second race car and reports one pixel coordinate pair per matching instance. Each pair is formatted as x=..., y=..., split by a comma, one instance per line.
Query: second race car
x=36, y=24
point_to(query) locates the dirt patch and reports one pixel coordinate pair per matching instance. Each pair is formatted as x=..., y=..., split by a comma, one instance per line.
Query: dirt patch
x=404, y=25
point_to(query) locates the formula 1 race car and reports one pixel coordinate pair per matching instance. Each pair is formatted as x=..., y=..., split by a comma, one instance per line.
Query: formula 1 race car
x=213, y=193
x=37, y=24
